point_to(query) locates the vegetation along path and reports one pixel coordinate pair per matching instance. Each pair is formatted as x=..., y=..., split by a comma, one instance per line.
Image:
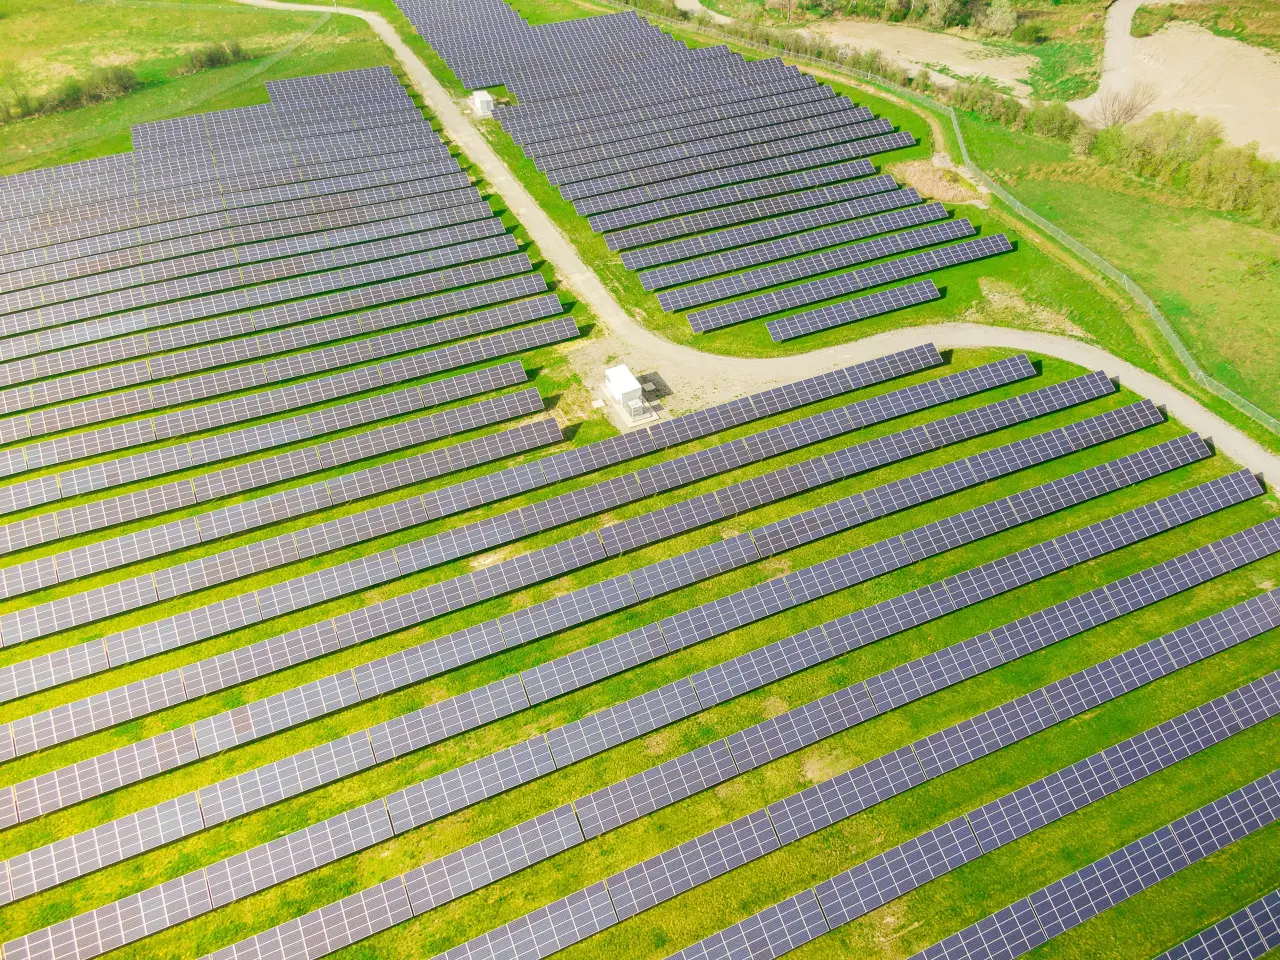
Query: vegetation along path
x=708, y=378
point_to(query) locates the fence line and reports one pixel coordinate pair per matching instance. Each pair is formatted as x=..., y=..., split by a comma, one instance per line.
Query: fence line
x=1126, y=282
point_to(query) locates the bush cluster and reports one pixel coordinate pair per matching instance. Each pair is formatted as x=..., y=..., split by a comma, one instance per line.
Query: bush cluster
x=98, y=86
x=215, y=55
x=1054, y=120
x=1188, y=154
x=992, y=17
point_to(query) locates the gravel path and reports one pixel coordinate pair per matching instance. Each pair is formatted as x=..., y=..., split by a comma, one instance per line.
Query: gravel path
x=698, y=379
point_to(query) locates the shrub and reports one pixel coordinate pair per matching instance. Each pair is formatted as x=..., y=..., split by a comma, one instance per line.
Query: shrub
x=1000, y=18
x=1269, y=205
x=1030, y=32
x=1083, y=140
x=1228, y=178
x=1187, y=153
x=112, y=82
x=945, y=13
x=215, y=55
x=1054, y=120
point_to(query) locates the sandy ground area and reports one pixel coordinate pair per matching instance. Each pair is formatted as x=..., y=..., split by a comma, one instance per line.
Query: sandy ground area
x=1197, y=71
x=912, y=47
x=698, y=379
x=693, y=6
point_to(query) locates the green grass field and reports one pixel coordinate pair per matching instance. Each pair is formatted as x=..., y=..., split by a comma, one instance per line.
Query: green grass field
x=1215, y=277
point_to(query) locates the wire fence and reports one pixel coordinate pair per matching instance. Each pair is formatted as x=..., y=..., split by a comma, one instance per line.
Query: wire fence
x=1197, y=373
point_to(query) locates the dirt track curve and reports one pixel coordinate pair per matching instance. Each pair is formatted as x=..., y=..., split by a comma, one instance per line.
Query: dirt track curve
x=709, y=378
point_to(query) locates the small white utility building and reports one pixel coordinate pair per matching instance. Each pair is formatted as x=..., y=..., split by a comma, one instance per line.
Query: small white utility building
x=625, y=391
x=482, y=103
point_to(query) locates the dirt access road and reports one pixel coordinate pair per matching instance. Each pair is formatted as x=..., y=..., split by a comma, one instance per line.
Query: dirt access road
x=1197, y=71
x=698, y=379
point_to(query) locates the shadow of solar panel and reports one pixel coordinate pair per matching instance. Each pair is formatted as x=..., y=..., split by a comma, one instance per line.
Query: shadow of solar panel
x=664, y=230
x=751, y=233
x=850, y=311
x=737, y=284
x=788, y=298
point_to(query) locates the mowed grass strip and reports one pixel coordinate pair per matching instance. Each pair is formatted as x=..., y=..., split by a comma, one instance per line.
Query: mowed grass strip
x=389, y=859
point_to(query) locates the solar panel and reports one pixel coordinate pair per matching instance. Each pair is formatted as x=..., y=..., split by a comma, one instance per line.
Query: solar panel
x=685, y=297
x=1247, y=934
x=788, y=298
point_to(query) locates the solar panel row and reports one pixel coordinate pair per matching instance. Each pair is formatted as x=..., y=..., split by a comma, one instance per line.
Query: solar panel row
x=41, y=730
x=348, y=288
x=273, y=258
x=699, y=268
x=1137, y=866
x=737, y=284
x=156, y=541
x=124, y=205
x=410, y=178
x=161, y=261
x=415, y=191
x=252, y=406
x=153, y=463
x=148, y=212
x=733, y=214
x=788, y=298
x=762, y=230
x=487, y=860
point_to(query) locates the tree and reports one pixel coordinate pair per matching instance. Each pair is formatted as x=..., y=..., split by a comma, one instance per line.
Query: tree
x=1000, y=18
x=944, y=13
x=1116, y=107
